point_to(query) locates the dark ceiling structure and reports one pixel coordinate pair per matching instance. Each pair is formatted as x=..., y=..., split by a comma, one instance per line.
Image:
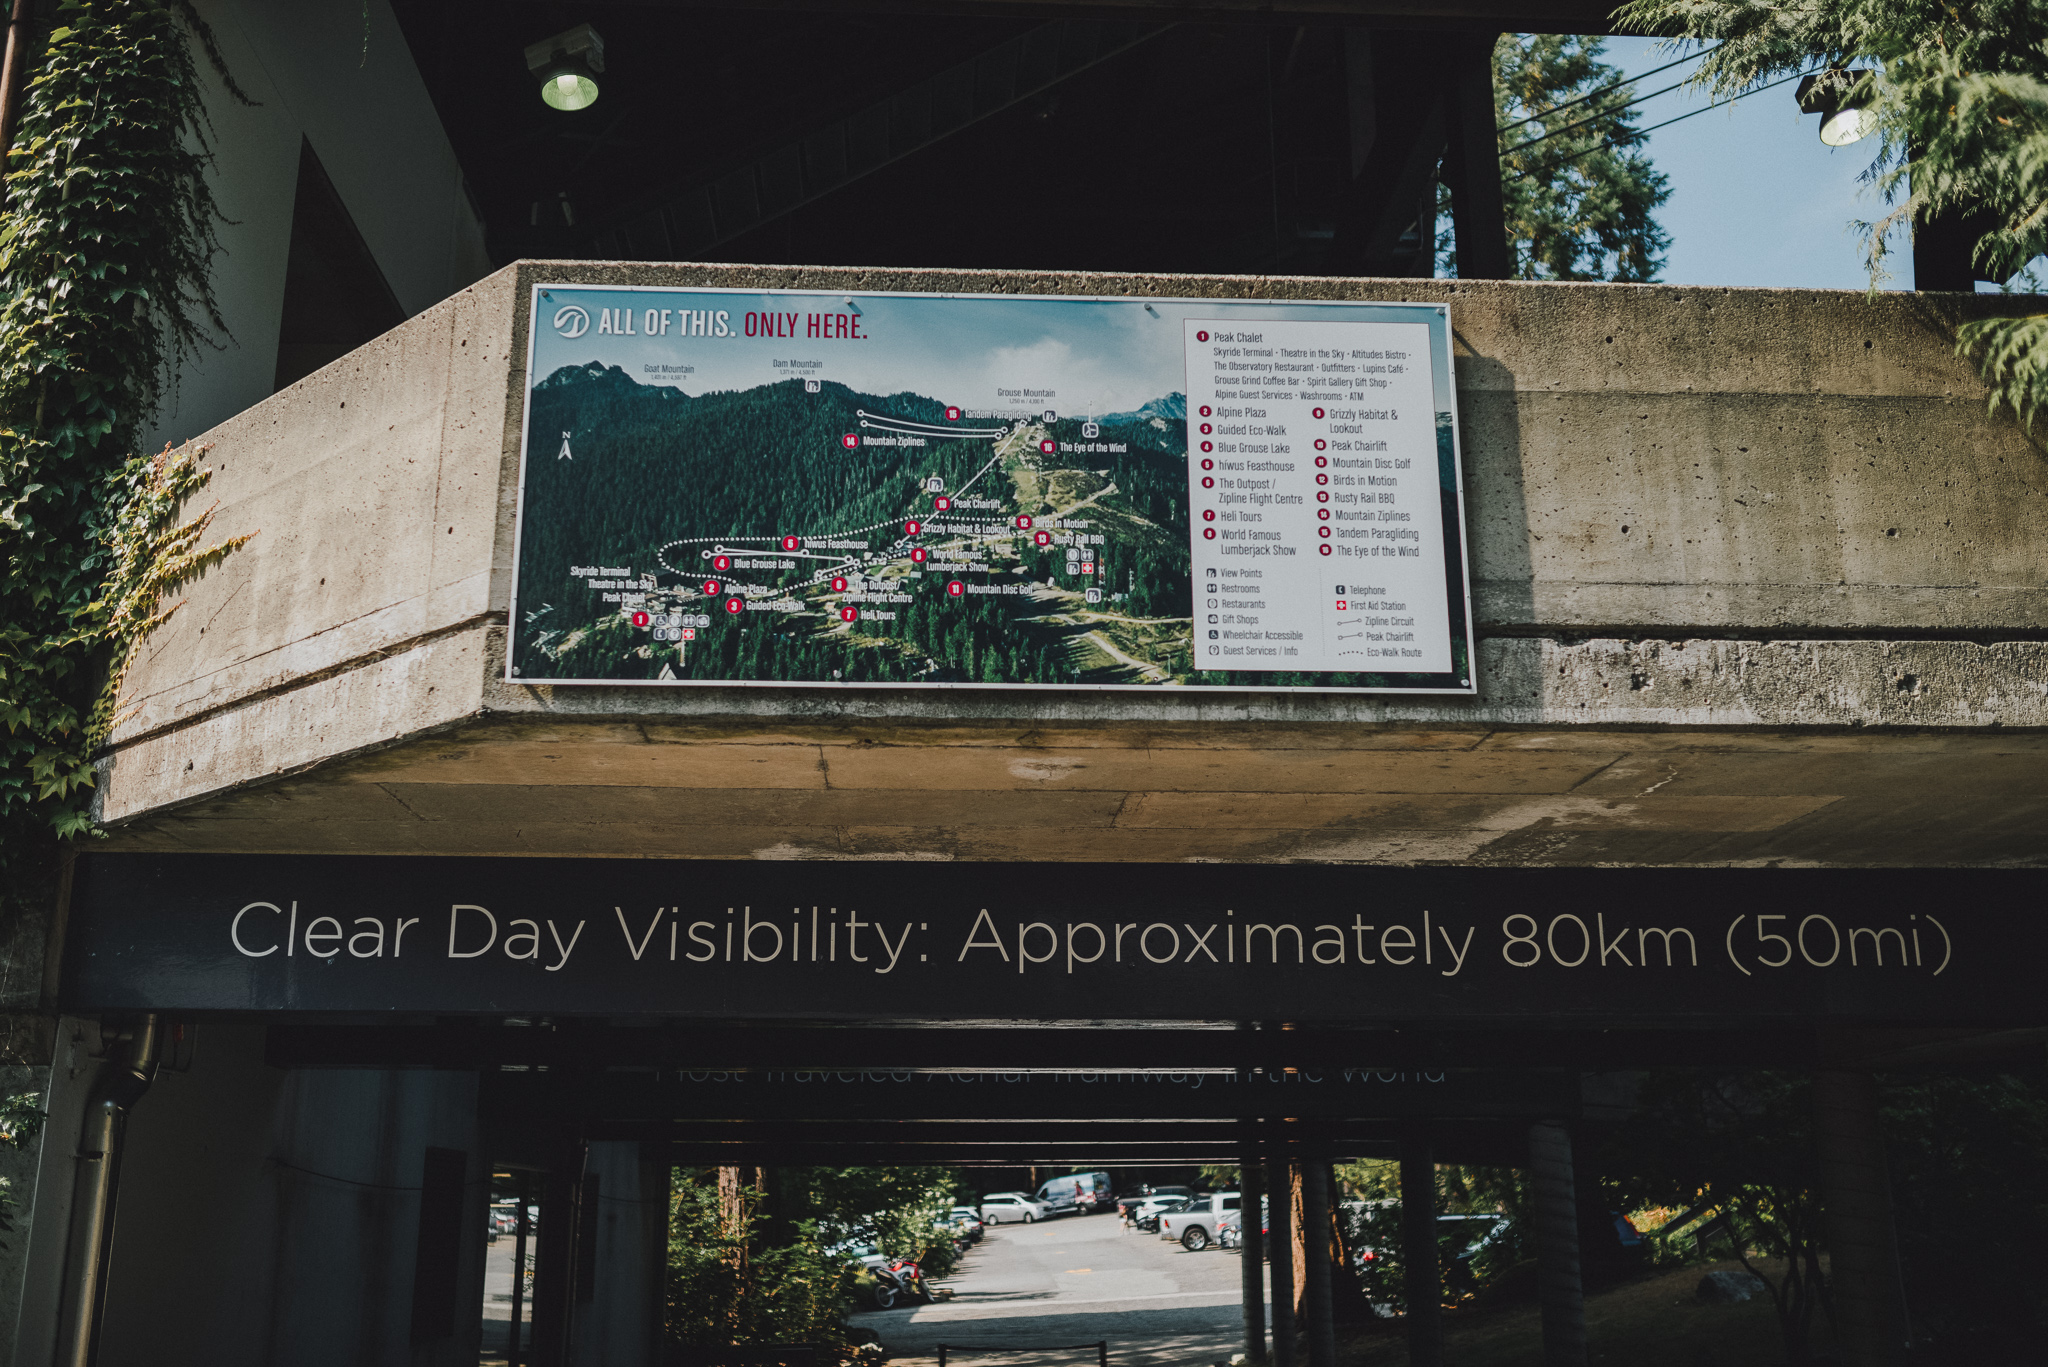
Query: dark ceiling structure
x=1299, y=136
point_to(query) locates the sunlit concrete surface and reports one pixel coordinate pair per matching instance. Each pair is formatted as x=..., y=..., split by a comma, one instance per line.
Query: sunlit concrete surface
x=1076, y=1279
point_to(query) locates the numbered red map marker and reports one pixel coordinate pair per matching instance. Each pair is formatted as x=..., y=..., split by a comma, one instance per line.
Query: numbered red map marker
x=640, y=619
x=790, y=543
x=839, y=584
x=850, y=441
x=943, y=504
x=1042, y=538
x=1046, y=447
x=919, y=555
x=952, y=415
x=1023, y=523
x=735, y=605
x=955, y=589
x=912, y=527
x=712, y=588
x=721, y=563
x=849, y=614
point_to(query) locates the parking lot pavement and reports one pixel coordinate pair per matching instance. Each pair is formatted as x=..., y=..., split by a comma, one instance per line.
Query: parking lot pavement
x=1074, y=1280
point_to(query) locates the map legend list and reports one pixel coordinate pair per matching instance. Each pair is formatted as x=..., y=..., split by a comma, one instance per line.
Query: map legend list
x=1316, y=527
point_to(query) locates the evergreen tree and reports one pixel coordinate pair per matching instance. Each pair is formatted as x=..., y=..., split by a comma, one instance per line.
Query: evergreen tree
x=1960, y=105
x=1580, y=193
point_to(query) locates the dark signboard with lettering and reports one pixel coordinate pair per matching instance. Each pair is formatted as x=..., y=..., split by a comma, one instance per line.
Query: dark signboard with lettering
x=864, y=941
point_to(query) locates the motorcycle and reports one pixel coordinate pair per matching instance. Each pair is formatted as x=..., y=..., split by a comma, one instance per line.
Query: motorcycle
x=900, y=1281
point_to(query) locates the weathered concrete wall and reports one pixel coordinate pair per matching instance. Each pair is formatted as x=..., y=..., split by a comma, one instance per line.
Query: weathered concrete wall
x=1778, y=511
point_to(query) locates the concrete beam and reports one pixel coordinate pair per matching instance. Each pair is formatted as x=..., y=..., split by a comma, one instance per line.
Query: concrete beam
x=1756, y=576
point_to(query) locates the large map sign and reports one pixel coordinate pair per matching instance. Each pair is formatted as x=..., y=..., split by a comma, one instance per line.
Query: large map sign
x=781, y=487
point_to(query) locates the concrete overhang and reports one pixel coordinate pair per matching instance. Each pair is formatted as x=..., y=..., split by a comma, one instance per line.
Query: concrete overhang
x=1757, y=579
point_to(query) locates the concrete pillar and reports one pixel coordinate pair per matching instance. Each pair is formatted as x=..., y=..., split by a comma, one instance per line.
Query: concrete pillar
x=1320, y=1331
x=1557, y=1245
x=1419, y=1253
x=1251, y=1191
x=1869, y=1301
x=1280, y=1239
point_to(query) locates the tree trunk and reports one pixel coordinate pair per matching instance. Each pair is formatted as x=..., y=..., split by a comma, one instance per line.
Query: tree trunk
x=1348, y=1300
x=1299, y=1247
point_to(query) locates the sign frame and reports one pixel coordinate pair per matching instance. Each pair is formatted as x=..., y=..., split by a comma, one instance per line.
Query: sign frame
x=1460, y=681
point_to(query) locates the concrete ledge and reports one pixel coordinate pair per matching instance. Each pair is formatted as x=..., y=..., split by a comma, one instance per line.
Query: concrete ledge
x=387, y=699
x=1524, y=682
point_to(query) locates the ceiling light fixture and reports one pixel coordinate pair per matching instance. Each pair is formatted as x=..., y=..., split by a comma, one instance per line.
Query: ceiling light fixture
x=568, y=65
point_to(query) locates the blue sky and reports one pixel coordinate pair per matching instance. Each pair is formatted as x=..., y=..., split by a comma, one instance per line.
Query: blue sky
x=1756, y=198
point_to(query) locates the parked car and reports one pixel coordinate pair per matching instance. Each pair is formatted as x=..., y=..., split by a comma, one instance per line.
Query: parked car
x=1146, y=1216
x=1128, y=1203
x=968, y=1222
x=1010, y=1208
x=1076, y=1193
x=1197, y=1226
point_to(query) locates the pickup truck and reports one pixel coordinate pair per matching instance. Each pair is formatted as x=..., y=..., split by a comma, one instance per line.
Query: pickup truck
x=1198, y=1226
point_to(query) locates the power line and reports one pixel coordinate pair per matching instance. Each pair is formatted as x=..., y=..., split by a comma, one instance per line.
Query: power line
x=1635, y=133
x=1594, y=118
x=1594, y=95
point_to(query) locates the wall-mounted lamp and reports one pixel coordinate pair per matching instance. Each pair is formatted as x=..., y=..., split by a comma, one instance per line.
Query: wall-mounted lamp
x=568, y=65
x=1842, y=97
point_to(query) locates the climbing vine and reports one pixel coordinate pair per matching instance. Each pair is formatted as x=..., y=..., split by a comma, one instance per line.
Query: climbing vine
x=105, y=244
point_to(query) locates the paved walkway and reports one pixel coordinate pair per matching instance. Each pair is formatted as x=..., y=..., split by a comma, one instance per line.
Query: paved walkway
x=1074, y=1280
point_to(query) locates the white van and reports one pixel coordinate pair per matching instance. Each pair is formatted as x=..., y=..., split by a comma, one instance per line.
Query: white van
x=1078, y=1193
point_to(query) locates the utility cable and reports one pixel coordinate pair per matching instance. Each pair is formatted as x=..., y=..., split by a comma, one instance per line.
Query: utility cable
x=1593, y=118
x=1596, y=94
x=1635, y=133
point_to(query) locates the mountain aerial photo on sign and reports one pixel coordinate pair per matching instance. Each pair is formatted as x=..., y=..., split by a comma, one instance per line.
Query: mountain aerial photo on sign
x=897, y=489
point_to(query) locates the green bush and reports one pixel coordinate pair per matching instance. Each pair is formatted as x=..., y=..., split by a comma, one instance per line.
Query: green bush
x=722, y=1289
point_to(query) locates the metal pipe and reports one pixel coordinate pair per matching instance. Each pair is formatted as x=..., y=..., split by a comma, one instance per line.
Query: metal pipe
x=1315, y=1244
x=121, y=1083
x=1280, y=1222
x=1251, y=1217
x=1557, y=1245
x=13, y=70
